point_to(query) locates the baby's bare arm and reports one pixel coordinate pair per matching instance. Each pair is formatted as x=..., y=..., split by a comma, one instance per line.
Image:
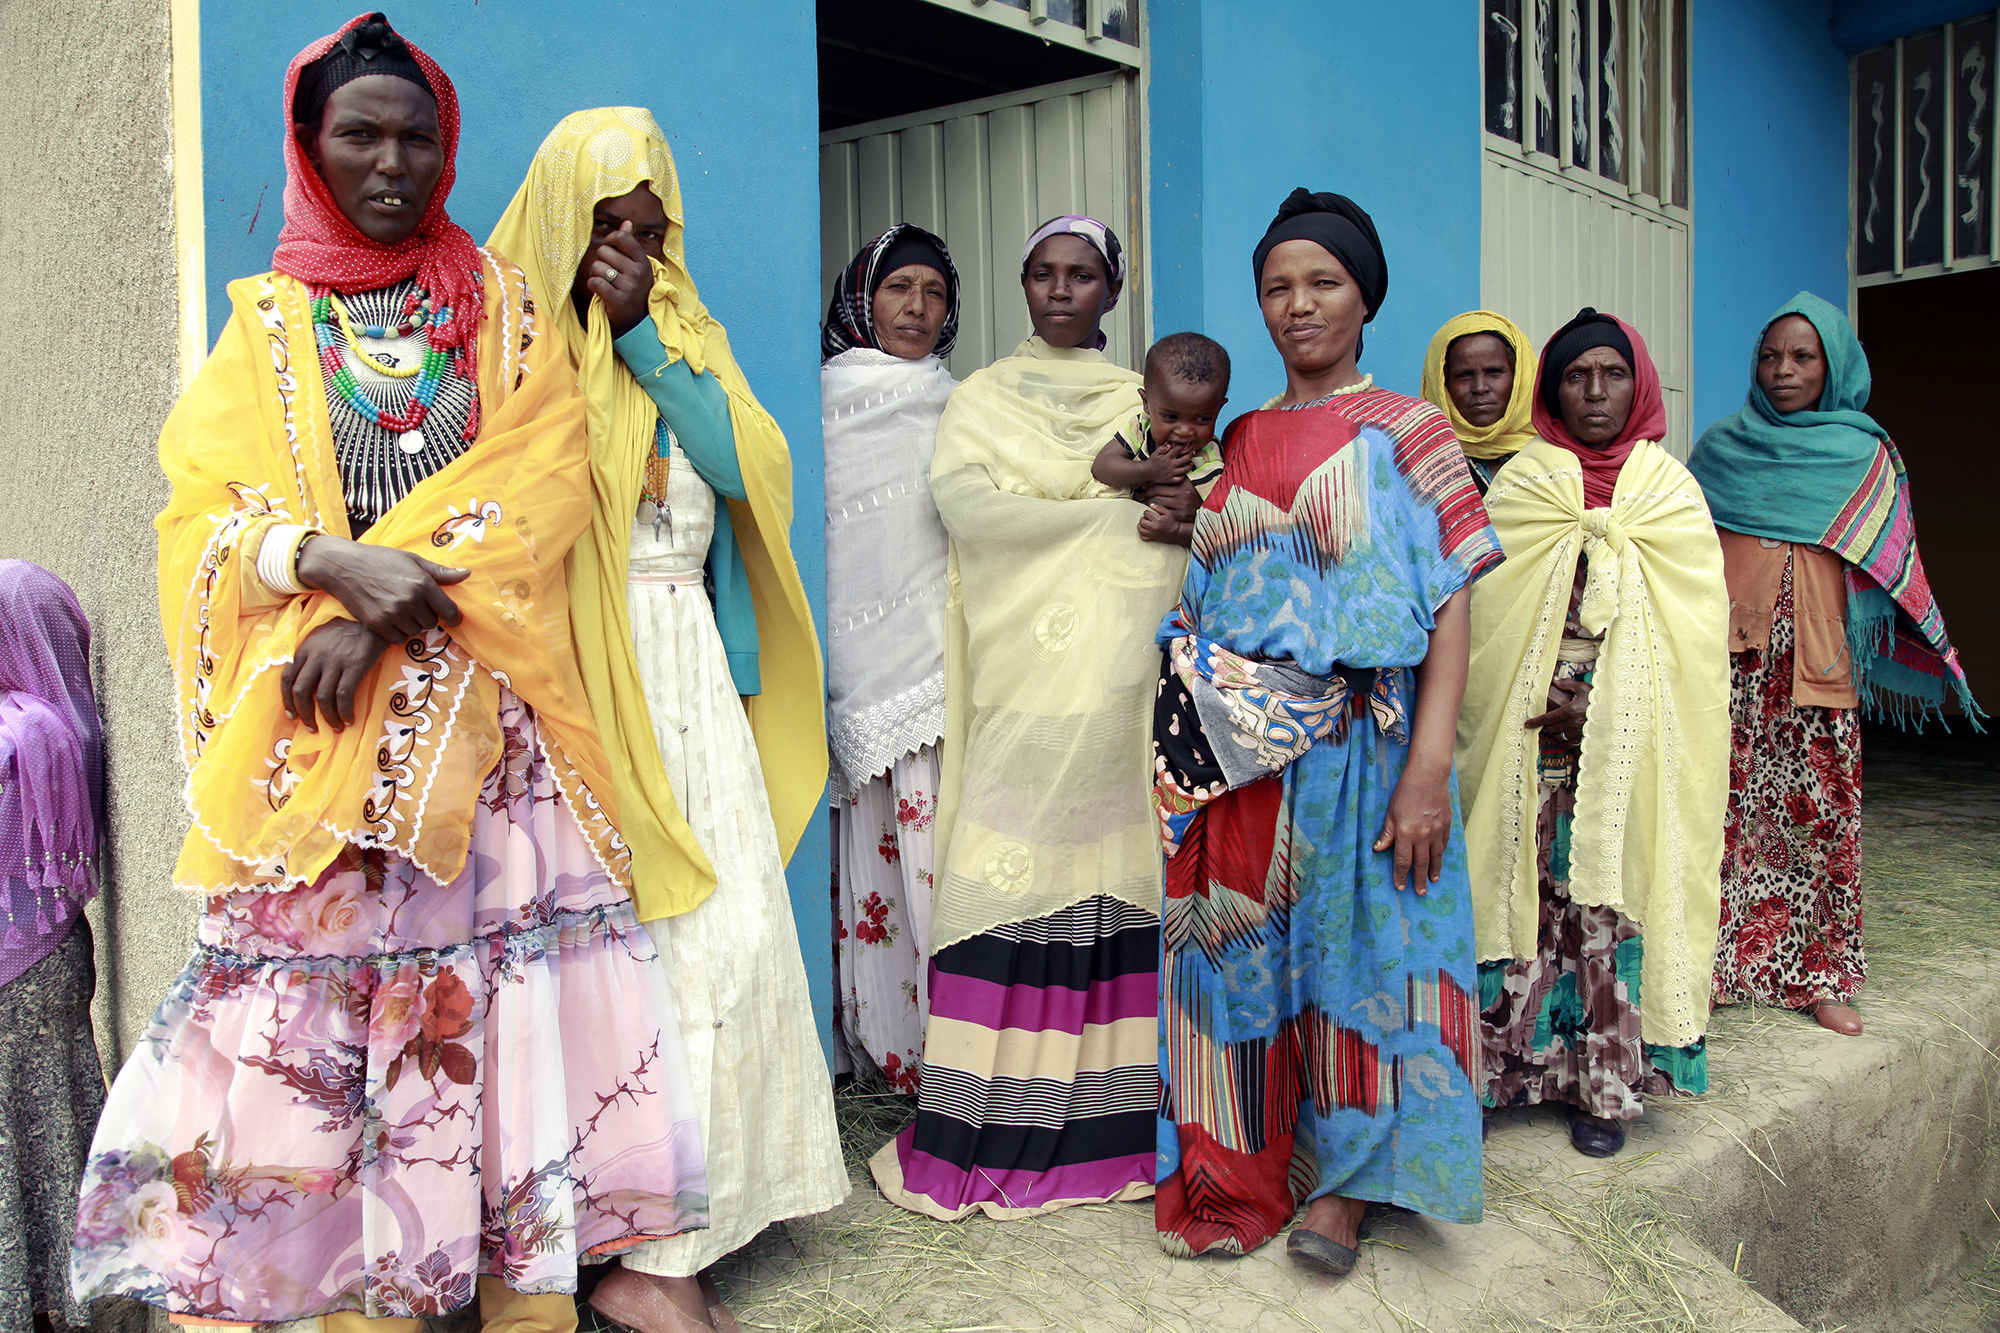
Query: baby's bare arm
x=1114, y=468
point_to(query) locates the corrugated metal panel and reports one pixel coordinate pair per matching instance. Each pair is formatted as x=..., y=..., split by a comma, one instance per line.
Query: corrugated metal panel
x=982, y=177
x=839, y=215
x=1550, y=245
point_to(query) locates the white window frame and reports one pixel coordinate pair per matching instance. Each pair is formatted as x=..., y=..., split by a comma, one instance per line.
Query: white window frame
x=1035, y=21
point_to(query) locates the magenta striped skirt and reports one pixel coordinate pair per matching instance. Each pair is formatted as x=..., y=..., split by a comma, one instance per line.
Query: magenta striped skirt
x=1041, y=1069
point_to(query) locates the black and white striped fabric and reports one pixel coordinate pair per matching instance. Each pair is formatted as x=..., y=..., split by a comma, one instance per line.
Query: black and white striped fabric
x=376, y=470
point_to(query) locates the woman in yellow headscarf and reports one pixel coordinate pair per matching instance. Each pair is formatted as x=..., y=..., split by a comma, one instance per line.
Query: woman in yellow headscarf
x=1481, y=370
x=712, y=794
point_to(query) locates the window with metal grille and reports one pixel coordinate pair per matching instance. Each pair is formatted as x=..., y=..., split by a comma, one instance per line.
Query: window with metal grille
x=1595, y=87
x=1925, y=118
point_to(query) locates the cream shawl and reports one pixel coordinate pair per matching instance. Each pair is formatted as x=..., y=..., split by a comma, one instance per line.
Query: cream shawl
x=885, y=560
x=1050, y=659
x=1653, y=777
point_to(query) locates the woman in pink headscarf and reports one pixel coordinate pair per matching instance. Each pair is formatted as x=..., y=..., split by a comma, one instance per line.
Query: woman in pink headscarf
x=1593, y=750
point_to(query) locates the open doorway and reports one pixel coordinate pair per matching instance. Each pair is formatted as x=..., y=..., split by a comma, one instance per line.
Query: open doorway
x=1931, y=345
x=977, y=130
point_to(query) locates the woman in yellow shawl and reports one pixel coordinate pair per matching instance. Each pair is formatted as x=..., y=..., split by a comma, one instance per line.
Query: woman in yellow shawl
x=1593, y=750
x=423, y=1050
x=1481, y=370
x=1041, y=1064
x=712, y=801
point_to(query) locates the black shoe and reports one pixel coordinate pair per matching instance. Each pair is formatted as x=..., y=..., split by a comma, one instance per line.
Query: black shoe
x=1311, y=1250
x=1593, y=1139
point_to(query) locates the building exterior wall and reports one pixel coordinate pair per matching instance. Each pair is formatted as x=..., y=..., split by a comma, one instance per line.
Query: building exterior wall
x=1770, y=156
x=86, y=223
x=1378, y=102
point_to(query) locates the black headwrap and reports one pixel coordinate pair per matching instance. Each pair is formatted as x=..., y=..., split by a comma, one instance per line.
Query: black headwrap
x=1589, y=329
x=1337, y=225
x=850, y=316
x=370, y=47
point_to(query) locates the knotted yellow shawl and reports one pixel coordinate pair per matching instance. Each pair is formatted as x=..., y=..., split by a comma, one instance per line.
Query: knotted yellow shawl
x=1653, y=780
x=602, y=154
x=1513, y=430
x=249, y=445
x=1050, y=660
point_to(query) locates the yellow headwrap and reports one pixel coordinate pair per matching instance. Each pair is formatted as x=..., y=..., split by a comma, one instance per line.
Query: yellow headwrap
x=1513, y=430
x=588, y=157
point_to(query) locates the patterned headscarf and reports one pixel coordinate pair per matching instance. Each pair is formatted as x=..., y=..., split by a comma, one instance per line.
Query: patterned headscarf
x=51, y=763
x=321, y=248
x=1101, y=238
x=850, y=316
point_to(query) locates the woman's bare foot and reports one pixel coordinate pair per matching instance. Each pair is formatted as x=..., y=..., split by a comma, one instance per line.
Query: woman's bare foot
x=647, y=1303
x=1836, y=1017
x=1337, y=1218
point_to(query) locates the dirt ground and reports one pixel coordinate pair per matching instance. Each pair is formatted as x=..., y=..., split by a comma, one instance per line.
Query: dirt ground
x=1847, y=1180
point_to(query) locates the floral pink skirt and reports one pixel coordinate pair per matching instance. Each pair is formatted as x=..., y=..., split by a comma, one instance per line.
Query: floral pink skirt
x=364, y=1094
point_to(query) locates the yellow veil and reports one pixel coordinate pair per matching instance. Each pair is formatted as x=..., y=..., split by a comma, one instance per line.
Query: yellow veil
x=1513, y=430
x=602, y=154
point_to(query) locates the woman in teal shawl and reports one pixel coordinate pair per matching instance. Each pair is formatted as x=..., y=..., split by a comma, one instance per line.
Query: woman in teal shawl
x=1830, y=613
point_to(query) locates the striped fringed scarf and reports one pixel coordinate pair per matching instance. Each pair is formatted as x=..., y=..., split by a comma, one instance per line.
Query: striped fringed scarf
x=1901, y=667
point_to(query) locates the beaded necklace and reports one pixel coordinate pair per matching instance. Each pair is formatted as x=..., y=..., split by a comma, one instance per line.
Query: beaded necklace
x=653, y=507
x=330, y=322
x=407, y=329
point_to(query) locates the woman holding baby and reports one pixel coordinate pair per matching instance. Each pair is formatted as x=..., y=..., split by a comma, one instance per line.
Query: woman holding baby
x=1040, y=1077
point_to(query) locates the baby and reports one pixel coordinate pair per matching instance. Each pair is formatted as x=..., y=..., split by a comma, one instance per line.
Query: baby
x=1173, y=439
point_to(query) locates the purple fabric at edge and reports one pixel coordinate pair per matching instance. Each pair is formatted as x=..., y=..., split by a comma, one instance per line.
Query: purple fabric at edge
x=51, y=765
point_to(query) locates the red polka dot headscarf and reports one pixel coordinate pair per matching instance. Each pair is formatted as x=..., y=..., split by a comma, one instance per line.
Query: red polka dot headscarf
x=322, y=249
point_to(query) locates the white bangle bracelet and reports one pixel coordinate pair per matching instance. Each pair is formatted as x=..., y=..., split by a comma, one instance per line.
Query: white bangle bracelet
x=278, y=557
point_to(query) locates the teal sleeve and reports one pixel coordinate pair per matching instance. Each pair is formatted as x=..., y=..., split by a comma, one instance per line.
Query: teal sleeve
x=697, y=409
x=735, y=612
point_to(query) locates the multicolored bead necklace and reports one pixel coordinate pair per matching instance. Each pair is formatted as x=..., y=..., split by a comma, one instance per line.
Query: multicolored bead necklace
x=412, y=322
x=331, y=325
x=653, y=490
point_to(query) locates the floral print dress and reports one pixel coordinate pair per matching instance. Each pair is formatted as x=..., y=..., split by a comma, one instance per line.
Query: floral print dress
x=1791, y=863
x=882, y=899
x=364, y=1094
x=1563, y=1026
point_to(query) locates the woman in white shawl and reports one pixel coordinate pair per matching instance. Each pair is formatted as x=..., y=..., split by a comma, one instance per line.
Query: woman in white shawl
x=893, y=320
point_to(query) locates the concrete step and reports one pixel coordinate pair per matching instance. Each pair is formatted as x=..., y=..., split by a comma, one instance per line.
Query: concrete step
x=1824, y=1182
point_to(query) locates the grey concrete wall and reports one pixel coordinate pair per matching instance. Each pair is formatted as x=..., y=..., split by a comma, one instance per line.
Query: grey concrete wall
x=87, y=374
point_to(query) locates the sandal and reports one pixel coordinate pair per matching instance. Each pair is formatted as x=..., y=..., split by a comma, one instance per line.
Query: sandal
x=1835, y=1016
x=1322, y=1254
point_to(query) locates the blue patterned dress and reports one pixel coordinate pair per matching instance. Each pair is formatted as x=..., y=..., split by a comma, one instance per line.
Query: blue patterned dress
x=1319, y=1028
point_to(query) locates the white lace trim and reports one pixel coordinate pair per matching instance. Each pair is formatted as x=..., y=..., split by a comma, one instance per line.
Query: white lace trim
x=866, y=743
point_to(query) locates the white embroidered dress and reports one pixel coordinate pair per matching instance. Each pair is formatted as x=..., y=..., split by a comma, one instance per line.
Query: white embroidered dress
x=761, y=1085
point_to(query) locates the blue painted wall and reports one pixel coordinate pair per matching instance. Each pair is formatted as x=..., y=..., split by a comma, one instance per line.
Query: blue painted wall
x=1770, y=157
x=1379, y=102
x=742, y=117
